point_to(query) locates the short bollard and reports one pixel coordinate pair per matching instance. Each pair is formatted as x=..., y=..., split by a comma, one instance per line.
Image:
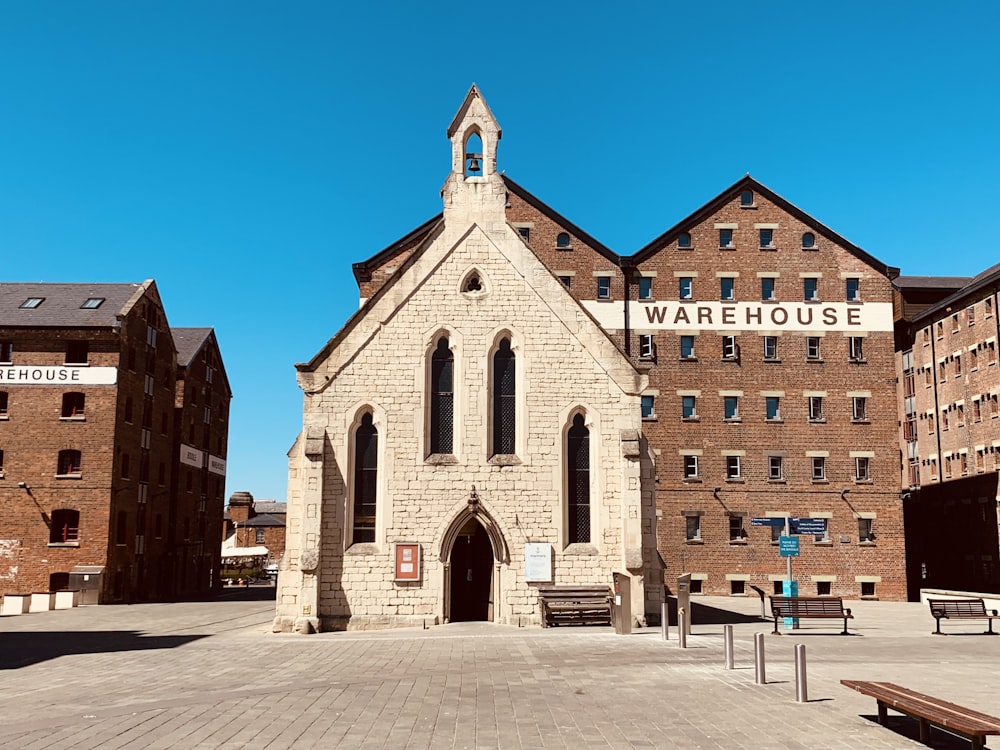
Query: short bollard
x=801, y=691
x=665, y=621
x=727, y=637
x=682, y=628
x=758, y=659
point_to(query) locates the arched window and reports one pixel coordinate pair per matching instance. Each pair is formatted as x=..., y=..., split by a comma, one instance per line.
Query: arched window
x=562, y=240
x=69, y=462
x=808, y=240
x=72, y=404
x=474, y=156
x=578, y=481
x=442, y=398
x=365, y=480
x=65, y=526
x=504, y=383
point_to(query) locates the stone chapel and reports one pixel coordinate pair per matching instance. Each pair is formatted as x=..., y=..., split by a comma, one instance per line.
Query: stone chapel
x=471, y=432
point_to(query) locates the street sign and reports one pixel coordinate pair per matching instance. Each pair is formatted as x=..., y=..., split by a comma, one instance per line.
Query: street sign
x=767, y=521
x=788, y=546
x=813, y=526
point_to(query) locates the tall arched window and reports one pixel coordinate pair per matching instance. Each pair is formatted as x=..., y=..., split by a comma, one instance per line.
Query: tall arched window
x=578, y=481
x=365, y=480
x=504, y=393
x=442, y=398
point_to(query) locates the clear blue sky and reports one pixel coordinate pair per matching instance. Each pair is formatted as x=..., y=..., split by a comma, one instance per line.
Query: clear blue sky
x=244, y=154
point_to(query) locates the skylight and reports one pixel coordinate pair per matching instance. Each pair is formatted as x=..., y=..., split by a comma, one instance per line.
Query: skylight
x=32, y=302
x=92, y=303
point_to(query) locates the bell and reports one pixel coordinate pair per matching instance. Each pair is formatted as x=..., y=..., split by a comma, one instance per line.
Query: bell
x=473, y=165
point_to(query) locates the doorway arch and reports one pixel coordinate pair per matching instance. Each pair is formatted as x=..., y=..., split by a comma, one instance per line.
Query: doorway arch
x=473, y=551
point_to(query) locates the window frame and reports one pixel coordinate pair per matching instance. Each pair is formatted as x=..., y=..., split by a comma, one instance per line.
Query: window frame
x=645, y=288
x=817, y=468
x=768, y=289
x=734, y=468
x=727, y=288
x=731, y=414
x=775, y=468
x=685, y=287
x=810, y=289
x=689, y=408
x=690, y=466
x=814, y=351
x=687, y=345
x=815, y=405
x=772, y=408
x=770, y=348
x=604, y=287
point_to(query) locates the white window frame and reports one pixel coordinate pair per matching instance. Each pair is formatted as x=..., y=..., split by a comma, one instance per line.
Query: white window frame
x=734, y=467
x=815, y=408
x=690, y=465
x=729, y=348
x=862, y=469
x=859, y=408
x=775, y=468
x=818, y=468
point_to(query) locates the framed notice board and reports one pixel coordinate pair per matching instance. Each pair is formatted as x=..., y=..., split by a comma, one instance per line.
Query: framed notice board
x=407, y=561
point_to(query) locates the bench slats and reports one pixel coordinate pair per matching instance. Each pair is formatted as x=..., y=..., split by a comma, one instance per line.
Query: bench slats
x=585, y=605
x=961, y=609
x=966, y=722
x=808, y=607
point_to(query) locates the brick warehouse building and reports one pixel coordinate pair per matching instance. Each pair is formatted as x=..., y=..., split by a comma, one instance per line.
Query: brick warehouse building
x=950, y=429
x=765, y=341
x=113, y=432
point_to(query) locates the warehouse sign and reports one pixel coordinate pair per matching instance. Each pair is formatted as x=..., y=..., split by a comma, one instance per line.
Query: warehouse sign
x=191, y=456
x=745, y=316
x=57, y=375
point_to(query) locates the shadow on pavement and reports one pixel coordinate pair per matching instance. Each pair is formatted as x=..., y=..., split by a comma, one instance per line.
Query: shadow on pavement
x=24, y=649
x=253, y=593
x=702, y=614
x=910, y=728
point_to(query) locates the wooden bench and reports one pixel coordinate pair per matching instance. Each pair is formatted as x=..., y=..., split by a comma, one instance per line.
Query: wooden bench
x=961, y=609
x=580, y=605
x=808, y=607
x=972, y=725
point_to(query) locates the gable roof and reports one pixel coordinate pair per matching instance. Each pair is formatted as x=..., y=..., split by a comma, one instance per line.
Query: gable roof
x=979, y=283
x=558, y=218
x=189, y=342
x=363, y=269
x=473, y=94
x=579, y=312
x=732, y=191
x=61, y=305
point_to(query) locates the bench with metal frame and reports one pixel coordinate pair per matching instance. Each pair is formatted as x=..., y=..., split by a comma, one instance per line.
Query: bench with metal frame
x=577, y=605
x=809, y=607
x=961, y=609
x=929, y=711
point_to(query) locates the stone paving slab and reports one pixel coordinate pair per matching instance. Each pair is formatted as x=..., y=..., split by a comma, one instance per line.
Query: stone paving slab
x=204, y=676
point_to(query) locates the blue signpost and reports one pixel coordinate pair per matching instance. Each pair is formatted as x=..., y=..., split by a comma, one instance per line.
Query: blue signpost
x=788, y=547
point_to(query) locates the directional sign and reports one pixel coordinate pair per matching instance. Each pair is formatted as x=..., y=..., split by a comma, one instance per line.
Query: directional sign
x=767, y=521
x=814, y=526
x=788, y=546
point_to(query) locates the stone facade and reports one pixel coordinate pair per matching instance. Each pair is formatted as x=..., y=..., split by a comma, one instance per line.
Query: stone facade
x=472, y=282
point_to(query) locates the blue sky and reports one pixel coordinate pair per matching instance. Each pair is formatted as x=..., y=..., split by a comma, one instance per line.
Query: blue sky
x=244, y=154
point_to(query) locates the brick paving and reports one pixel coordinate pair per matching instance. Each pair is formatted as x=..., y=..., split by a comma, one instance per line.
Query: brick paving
x=211, y=675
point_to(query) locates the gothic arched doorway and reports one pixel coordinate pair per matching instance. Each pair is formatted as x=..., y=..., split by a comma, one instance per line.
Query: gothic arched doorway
x=471, y=574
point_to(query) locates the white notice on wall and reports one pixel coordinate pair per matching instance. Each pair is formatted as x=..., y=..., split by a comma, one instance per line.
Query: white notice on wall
x=537, y=561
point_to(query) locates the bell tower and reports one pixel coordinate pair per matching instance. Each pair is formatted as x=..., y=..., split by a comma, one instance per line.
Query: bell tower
x=474, y=191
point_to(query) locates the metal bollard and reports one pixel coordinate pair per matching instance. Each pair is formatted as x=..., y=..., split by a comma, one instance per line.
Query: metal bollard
x=664, y=622
x=727, y=637
x=682, y=628
x=758, y=659
x=801, y=691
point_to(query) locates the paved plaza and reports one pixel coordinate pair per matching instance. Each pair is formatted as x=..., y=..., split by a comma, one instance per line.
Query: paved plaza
x=203, y=676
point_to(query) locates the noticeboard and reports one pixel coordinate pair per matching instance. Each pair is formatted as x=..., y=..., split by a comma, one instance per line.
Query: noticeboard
x=407, y=561
x=537, y=562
